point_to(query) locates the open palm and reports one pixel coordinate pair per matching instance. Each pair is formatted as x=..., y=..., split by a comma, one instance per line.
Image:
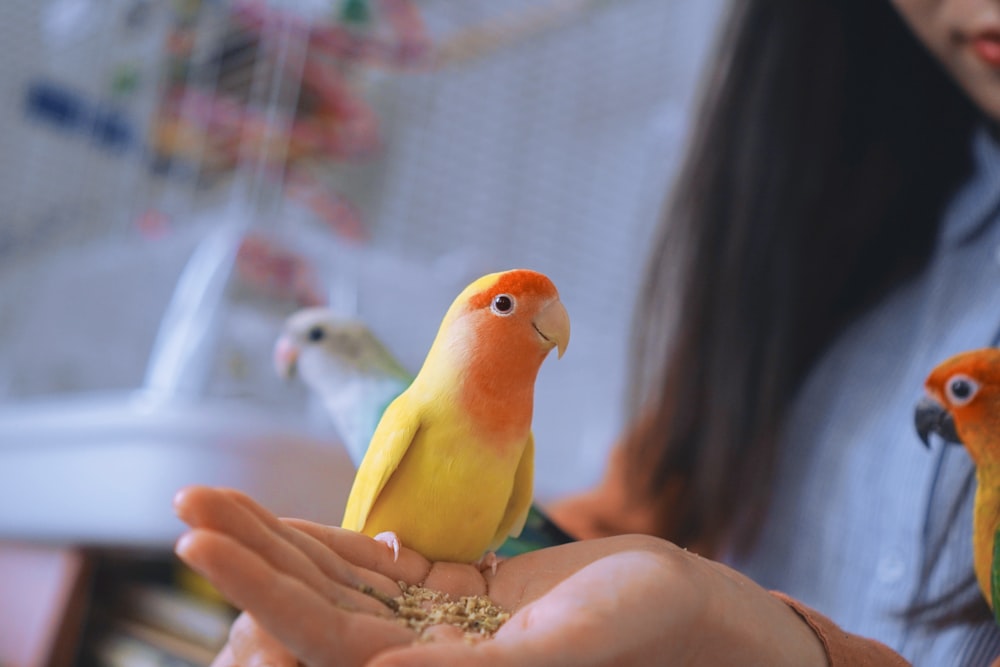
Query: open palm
x=615, y=601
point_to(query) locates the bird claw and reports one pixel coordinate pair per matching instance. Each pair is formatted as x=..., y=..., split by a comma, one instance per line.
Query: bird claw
x=489, y=561
x=391, y=540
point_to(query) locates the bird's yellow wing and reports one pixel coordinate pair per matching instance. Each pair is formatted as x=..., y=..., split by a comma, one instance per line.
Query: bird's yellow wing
x=520, y=497
x=396, y=430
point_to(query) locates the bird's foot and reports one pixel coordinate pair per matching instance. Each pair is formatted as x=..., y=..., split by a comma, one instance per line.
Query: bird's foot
x=489, y=561
x=391, y=540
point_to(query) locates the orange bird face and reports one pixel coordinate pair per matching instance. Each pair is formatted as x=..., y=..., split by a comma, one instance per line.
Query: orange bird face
x=493, y=340
x=963, y=404
x=518, y=311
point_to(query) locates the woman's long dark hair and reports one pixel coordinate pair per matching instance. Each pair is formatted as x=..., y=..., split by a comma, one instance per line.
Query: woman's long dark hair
x=827, y=144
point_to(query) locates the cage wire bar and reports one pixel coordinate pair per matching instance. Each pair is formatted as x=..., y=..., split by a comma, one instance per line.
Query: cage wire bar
x=255, y=196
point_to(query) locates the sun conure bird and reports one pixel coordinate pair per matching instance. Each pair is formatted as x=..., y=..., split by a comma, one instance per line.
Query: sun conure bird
x=963, y=406
x=449, y=471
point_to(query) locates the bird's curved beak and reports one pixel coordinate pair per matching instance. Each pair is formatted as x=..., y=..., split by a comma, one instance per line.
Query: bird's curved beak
x=931, y=417
x=552, y=324
x=285, y=357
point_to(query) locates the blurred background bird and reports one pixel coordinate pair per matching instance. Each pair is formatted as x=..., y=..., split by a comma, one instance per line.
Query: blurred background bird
x=346, y=366
x=962, y=406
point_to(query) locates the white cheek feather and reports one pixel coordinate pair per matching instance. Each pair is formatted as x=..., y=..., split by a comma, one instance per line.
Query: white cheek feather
x=459, y=340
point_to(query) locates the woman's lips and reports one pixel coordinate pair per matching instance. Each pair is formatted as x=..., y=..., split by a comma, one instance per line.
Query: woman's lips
x=986, y=46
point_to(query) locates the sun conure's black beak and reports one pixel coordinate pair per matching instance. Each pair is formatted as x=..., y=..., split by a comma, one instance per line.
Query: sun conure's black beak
x=931, y=417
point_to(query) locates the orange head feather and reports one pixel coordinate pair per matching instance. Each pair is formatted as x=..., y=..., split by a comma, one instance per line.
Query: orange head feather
x=494, y=338
x=964, y=403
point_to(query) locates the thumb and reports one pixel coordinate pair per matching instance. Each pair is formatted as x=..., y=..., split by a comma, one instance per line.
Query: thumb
x=516, y=649
x=250, y=645
x=486, y=653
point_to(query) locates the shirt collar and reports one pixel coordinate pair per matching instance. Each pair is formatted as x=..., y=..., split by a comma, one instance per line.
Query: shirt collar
x=976, y=203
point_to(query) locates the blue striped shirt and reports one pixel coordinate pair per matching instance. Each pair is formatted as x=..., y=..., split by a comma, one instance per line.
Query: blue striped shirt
x=860, y=505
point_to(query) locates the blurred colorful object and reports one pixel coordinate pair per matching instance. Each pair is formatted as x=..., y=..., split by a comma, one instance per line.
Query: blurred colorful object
x=276, y=271
x=285, y=90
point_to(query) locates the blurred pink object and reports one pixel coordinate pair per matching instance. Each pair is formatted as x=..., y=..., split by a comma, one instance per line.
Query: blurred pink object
x=42, y=604
x=277, y=271
x=336, y=212
x=405, y=43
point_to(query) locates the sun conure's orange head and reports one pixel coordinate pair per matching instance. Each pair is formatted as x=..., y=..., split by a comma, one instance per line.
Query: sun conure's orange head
x=963, y=404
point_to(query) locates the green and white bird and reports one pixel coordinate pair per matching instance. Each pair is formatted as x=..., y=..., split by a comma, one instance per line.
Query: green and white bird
x=346, y=366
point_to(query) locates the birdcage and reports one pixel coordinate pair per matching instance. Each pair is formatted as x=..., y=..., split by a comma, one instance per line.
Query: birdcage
x=178, y=177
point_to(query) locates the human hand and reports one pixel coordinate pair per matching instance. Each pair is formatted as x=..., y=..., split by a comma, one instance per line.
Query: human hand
x=614, y=601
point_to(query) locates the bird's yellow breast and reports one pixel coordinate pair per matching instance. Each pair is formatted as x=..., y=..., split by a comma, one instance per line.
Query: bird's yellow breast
x=450, y=492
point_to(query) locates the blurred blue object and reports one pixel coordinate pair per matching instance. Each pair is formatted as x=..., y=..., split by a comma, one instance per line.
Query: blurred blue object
x=55, y=104
x=68, y=110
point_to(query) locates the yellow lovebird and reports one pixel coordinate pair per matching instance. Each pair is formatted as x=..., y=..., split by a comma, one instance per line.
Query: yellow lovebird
x=449, y=470
x=963, y=406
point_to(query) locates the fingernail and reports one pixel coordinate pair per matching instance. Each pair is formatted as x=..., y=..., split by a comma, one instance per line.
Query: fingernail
x=183, y=544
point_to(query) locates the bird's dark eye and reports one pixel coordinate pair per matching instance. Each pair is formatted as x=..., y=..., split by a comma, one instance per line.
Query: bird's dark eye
x=961, y=389
x=503, y=304
x=317, y=334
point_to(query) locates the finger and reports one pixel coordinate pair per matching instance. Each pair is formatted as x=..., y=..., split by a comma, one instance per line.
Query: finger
x=454, y=579
x=334, y=568
x=366, y=553
x=252, y=646
x=308, y=624
x=447, y=654
x=218, y=510
x=330, y=564
x=225, y=658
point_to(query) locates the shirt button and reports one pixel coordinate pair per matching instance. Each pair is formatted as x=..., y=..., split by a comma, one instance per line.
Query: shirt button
x=891, y=568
